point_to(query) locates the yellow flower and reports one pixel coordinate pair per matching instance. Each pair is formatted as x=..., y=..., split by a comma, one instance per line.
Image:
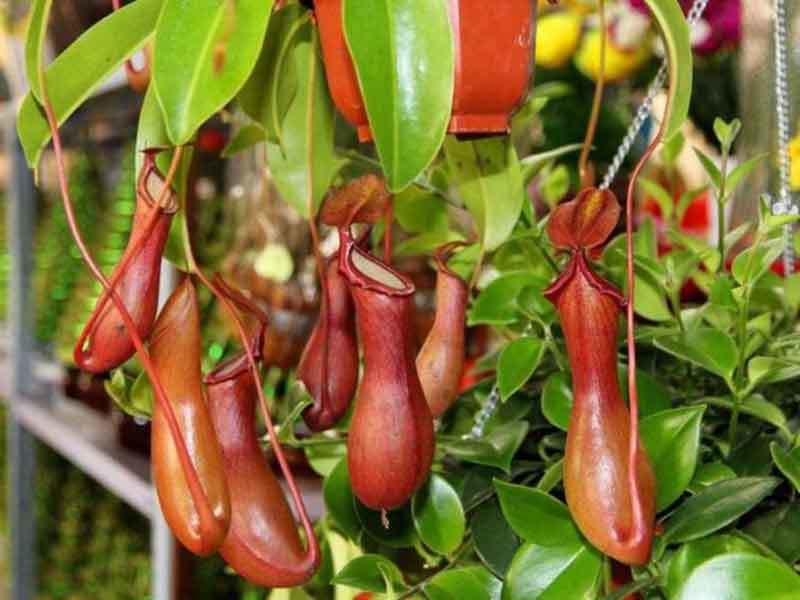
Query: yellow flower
x=619, y=63
x=794, y=157
x=557, y=37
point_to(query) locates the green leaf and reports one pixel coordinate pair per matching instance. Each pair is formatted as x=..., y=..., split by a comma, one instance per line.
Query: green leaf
x=552, y=476
x=675, y=33
x=742, y=577
x=306, y=164
x=419, y=211
x=533, y=164
x=399, y=534
x=536, y=516
x=690, y=556
x=787, y=462
x=439, y=516
x=405, y=65
x=497, y=304
x=673, y=148
x=120, y=388
x=553, y=573
x=151, y=131
x=709, y=474
x=672, y=440
x=367, y=573
x=467, y=583
x=34, y=43
x=734, y=237
x=497, y=449
x=660, y=195
x=557, y=399
x=740, y=172
x=708, y=348
x=756, y=406
x=82, y=67
x=710, y=168
x=779, y=530
x=339, y=501
x=751, y=264
x=766, y=369
x=191, y=83
x=517, y=363
x=495, y=541
x=325, y=457
x=244, y=139
x=727, y=132
x=489, y=178
x=272, y=86
x=716, y=507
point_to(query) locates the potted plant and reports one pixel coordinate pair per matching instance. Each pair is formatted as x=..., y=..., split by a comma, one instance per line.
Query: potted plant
x=588, y=464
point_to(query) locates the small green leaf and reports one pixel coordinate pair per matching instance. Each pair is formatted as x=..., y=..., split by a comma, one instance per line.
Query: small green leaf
x=742, y=577
x=82, y=67
x=727, y=132
x=751, y=264
x=716, y=507
x=467, y=583
x=536, y=516
x=660, y=195
x=709, y=474
x=779, y=530
x=739, y=173
x=557, y=399
x=367, y=573
x=766, y=369
x=756, y=406
x=439, y=516
x=690, y=556
x=495, y=541
x=533, y=164
x=489, y=179
x=517, y=363
x=338, y=496
x=497, y=305
x=191, y=83
x=553, y=572
x=405, y=65
x=672, y=440
x=710, y=167
x=787, y=462
x=708, y=348
x=121, y=389
x=497, y=449
x=244, y=139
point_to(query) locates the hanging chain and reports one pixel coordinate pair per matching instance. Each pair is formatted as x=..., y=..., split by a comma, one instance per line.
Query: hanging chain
x=784, y=204
x=695, y=12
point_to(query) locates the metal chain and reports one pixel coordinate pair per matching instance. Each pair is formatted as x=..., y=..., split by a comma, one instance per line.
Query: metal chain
x=484, y=414
x=694, y=14
x=784, y=204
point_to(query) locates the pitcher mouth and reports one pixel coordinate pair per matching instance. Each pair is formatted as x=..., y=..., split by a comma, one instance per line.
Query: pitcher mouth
x=151, y=184
x=363, y=270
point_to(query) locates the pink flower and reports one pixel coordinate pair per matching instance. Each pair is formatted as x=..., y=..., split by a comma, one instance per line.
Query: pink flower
x=720, y=26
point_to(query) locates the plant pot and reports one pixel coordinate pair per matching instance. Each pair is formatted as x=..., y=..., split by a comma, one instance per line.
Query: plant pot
x=493, y=64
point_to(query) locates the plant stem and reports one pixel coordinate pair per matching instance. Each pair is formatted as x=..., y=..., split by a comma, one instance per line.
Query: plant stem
x=721, y=228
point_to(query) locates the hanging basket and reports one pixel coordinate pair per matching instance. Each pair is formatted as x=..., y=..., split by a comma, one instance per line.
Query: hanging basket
x=493, y=64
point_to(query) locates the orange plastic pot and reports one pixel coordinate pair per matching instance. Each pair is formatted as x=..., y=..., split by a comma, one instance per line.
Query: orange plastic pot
x=493, y=64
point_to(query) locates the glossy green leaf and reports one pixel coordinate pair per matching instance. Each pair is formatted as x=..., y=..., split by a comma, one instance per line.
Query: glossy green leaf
x=268, y=93
x=535, y=516
x=193, y=82
x=710, y=167
x=690, y=556
x=767, y=369
x=708, y=348
x=751, y=264
x=779, y=530
x=497, y=303
x=367, y=573
x=400, y=532
x=404, y=61
x=787, y=462
x=438, y=515
x=244, y=139
x=495, y=541
x=305, y=166
x=496, y=449
x=709, y=474
x=533, y=164
x=339, y=502
x=742, y=577
x=325, y=457
x=468, y=583
x=34, y=43
x=553, y=573
x=557, y=399
x=672, y=440
x=489, y=179
x=82, y=67
x=716, y=507
x=517, y=363
x=551, y=477
x=121, y=389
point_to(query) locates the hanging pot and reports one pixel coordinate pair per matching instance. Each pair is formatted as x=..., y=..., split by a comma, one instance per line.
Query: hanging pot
x=494, y=58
